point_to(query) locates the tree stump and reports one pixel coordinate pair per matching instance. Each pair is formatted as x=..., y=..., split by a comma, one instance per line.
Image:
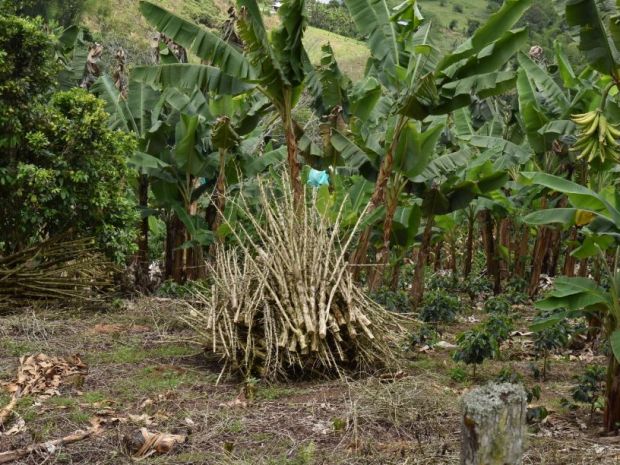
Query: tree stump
x=493, y=428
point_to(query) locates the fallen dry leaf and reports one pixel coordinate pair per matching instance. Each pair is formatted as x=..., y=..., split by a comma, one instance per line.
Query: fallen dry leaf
x=144, y=443
x=18, y=426
x=445, y=345
x=41, y=375
x=239, y=401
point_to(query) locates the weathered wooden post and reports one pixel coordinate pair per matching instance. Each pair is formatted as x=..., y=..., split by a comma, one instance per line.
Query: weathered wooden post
x=493, y=428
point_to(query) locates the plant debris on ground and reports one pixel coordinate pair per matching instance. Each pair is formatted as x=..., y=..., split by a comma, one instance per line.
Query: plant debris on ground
x=151, y=380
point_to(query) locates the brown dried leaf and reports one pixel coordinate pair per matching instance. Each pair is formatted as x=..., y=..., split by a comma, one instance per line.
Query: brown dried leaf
x=144, y=443
x=240, y=401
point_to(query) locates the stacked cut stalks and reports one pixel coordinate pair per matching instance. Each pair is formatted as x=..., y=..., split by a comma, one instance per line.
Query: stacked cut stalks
x=284, y=299
x=55, y=269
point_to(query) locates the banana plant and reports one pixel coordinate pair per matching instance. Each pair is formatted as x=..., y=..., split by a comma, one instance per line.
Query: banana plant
x=597, y=215
x=596, y=26
x=415, y=82
x=136, y=114
x=272, y=63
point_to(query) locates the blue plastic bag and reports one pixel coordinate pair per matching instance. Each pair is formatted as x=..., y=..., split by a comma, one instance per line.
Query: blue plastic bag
x=317, y=178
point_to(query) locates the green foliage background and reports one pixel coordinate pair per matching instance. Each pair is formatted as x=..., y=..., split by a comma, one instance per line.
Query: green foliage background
x=63, y=168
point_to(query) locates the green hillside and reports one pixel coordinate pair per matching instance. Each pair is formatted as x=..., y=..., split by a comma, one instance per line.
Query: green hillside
x=351, y=54
x=119, y=22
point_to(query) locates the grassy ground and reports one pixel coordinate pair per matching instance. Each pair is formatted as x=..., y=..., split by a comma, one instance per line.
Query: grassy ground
x=140, y=369
x=351, y=54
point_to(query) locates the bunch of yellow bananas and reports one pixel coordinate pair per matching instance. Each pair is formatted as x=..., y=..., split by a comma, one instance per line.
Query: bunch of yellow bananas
x=597, y=137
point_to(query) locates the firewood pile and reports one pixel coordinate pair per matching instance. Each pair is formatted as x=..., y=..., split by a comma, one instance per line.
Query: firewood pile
x=283, y=300
x=57, y=269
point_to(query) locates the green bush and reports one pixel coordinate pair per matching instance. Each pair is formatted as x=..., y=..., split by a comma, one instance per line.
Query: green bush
x=439, y=307
x=427, y=335
x=442, y=281
x=550, y=338
x=507, y=375
x=589, y=388
x=65, y=12
x=395, y=301
x=516, y=290
x=476, y=286
x=63, y=168
x=497, y=304
x=458, y=374
x=499, y=327
x=475, y=346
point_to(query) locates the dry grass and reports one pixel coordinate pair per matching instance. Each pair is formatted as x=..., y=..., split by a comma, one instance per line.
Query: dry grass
x=412, y=419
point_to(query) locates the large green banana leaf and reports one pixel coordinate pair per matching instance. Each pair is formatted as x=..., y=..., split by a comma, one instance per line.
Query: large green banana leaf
x=372, y=18
x=499, y=22
x=204, y=44
x=547, y=87
x=589, y=208
x=120, y=115
x=188, y=76
x=591, y=18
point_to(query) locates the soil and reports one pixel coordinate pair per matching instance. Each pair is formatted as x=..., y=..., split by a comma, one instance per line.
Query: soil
x=144, y=371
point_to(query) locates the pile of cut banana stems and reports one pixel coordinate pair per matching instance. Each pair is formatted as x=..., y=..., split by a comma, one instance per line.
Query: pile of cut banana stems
x=283, y=298
x=54, y=270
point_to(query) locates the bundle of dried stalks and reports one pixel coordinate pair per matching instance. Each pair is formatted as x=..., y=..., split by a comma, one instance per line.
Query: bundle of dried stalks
x=284, y=300
x=55, y=269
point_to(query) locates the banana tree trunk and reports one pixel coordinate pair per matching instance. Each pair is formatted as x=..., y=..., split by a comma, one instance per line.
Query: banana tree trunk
x=383, y=255
x=568, y=269
x=195, y=265
x=142, y=257
x=503, y=239
x=469, y=244
x=521, y=251
x=437, y=256
x=452, y=260
x=378, y=196
x=176, y=235
x=396, y=275
x=291, y=149
x=611, y=419
x=557, y=249
x=490, y=250
x=219, y=200
x=538, y=258
x=417, y=287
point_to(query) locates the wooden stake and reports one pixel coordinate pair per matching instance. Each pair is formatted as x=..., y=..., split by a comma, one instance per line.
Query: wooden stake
x=493, y=428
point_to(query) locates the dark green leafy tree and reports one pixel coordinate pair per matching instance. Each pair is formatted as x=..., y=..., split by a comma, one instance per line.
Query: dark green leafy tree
x=499, y=327
x=62, y=166
x=418, y=83
x=597, y=214
x=497, y=305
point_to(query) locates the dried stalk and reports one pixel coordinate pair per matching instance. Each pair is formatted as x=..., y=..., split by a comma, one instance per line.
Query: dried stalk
x=50, y=446
x=55, y=269
x=284, y=300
